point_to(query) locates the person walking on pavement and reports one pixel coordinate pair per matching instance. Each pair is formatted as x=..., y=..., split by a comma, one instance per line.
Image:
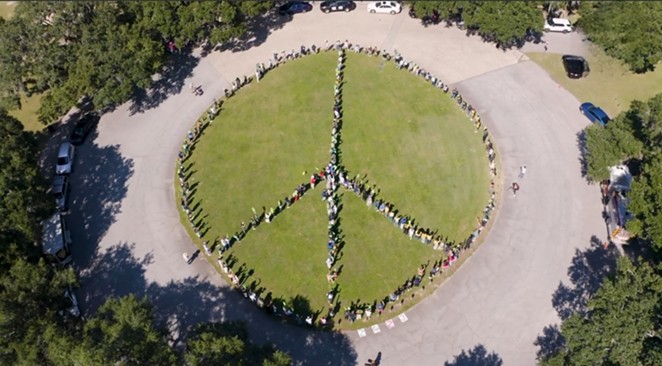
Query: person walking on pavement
x=522, y=171
x=187, y=259
x=515, y=189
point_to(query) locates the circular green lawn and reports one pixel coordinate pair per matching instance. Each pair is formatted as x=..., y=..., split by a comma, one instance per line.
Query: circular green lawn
x=399, y=133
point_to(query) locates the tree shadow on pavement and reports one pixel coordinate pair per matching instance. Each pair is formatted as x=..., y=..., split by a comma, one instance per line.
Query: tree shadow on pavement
x=550, y=342
x=587, y=272
x=113, y=273
x=477, y=356
x=98, y=186
x=583, y=154
x=180, y=305
x=258, y=30
x=169, y=82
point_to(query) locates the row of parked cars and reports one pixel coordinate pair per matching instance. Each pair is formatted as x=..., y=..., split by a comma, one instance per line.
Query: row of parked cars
x=384, y=7
x=65, y=159
x=576, y=67
x=56, y=238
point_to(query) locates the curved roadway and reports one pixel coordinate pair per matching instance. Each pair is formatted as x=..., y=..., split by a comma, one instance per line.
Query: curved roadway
x=128, y=238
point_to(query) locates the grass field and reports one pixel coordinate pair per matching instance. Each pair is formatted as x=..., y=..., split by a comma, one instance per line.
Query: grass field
x=28, y=112
x=609, y=85
x=7, y=9
x=410, y=140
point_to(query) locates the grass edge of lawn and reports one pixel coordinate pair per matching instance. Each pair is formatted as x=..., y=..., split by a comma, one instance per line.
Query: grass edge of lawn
x=610, y=84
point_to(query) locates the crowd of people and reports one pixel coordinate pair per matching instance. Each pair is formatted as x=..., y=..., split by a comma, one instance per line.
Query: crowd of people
x=192, y=137
x=334, y=176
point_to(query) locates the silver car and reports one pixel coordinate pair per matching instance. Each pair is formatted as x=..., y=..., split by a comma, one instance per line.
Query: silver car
x=65, y=159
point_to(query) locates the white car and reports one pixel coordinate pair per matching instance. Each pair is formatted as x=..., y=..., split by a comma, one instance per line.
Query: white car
x=388, y=7
x=557, y=25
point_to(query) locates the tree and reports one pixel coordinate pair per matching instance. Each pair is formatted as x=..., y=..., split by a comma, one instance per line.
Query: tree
x=228, y=344
x=623, y=324
x=646, y=202
x=611, y=145
x=123, y=333
x=104, y=50
x=507, y=23
x=627, y=30
x=24, y=201
x=30, y=297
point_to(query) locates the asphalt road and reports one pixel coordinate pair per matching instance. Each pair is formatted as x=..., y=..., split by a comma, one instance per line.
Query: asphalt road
x=128, y=238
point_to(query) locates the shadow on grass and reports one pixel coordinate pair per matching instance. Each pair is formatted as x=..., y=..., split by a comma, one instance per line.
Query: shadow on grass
x=180, y=305
x=587, y=272
x=477, y=356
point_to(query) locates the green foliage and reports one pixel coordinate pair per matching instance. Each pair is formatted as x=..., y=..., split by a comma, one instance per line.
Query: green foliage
x=646, y=202
x=123, y=333
x=628, y=30
x=30, y=297
x=446, y=10
x=503, y=22
x=105, y=50
x=23, y=202
x=611, y=145
x=636, y=134
x=227, y=344
x=622, y=326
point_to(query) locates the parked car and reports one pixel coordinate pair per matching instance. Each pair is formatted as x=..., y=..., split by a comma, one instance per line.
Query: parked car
x=575, y=66
x=60, y=190
x=294, y=7
x=557, y=25
x=337, y=5
x=56, y=240
x=83, y=128
x=65, y=159
x=387, y=7
x=594, y=114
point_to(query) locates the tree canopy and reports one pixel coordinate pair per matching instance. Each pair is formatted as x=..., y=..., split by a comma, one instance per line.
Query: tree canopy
x=507, y=23
x=228, y=344
x=627, y=30
x=623, y=323
x=635, y=134
x=23, y=202
x=104, y=50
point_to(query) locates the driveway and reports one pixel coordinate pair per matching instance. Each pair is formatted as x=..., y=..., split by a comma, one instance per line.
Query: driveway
x=128, y=238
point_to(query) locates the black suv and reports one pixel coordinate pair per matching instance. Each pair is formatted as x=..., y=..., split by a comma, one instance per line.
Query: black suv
x=575, y=66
